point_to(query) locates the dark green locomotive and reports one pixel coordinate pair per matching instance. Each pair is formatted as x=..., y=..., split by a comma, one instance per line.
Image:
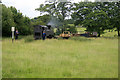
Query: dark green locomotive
x=38, y=31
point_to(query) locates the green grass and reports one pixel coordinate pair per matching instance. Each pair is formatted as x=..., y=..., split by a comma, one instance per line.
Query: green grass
x=94, y=58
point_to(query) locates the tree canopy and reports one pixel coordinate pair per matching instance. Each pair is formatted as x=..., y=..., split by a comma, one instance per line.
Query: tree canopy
x=95, y=16
x=13, y=17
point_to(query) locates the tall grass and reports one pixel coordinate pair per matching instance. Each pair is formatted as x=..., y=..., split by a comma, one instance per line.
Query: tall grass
x=96, y=58
x=80, y=38
x=29, y=38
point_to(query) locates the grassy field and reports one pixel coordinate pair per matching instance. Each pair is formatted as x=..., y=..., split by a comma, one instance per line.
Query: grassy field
x=92, y=58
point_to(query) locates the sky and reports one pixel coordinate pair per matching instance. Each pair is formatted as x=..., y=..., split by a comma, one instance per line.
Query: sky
x=27, y=7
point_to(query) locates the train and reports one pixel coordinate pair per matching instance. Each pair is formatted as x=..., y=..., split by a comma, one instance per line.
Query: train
x=39, y=29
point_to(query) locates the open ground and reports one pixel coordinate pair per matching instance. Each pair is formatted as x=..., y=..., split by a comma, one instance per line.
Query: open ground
x=52, y=58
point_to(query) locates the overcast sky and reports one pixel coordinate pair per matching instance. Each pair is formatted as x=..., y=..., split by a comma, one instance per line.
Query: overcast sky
x=27, y=7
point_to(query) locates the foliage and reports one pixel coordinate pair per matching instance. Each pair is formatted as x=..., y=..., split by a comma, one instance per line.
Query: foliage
x=114, y=15
x=7, y=21
x=13, y=17
x=97, y=16
x=56, y=9
x=58, y=31
x=71, y=28
x=23, y=24
x=41, y=20
x=96, y=21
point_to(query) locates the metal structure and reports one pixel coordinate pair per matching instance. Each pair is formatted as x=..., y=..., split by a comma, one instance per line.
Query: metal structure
x=38, y=31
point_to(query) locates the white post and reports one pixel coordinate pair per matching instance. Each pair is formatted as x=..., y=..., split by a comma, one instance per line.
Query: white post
x=13, y=29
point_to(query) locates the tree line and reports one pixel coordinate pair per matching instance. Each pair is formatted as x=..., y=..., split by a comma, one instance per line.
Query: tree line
x=11, y=17
x=94, y=16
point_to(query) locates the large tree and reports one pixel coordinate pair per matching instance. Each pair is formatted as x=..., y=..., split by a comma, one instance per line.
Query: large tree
x=111, y=10
x=96, y=21
x=57, y=9
x=114, y=15
x=81, y=10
